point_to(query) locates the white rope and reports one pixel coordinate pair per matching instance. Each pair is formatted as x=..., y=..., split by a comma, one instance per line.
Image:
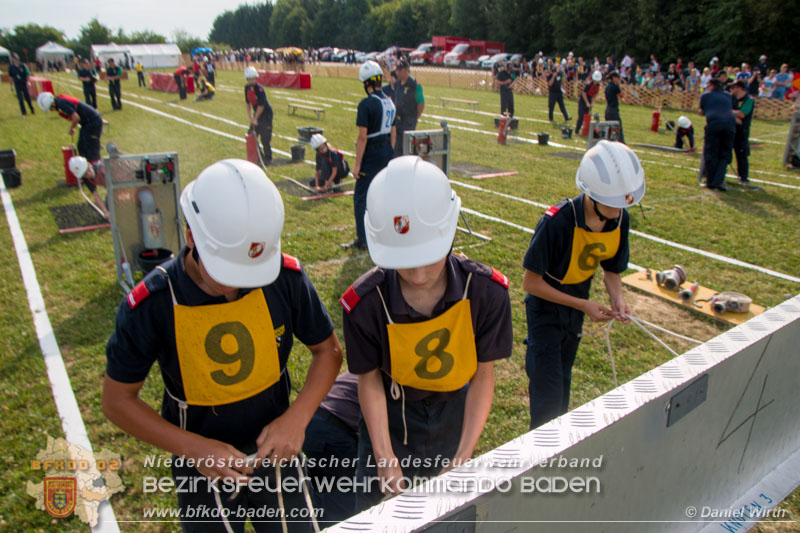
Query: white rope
x=280, y=498
x=91, y=203
x=641, y=323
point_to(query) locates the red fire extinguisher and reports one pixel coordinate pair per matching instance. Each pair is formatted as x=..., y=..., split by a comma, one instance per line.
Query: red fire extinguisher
x=505, y=126
x=252, y=147
x=656, y=120
x=587, y=119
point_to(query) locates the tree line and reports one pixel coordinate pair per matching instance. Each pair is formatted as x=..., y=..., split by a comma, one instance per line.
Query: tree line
x=733, y=30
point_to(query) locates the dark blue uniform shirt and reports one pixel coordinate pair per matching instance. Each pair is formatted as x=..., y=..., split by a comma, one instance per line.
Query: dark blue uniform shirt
x=146, y=334
x=87, y=113
x=256, y=96
x=717, y=106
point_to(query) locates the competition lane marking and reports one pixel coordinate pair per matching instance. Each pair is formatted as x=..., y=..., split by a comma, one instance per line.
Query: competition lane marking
x=64, y=396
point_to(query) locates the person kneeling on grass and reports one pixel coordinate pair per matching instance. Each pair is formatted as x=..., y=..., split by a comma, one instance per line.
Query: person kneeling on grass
x=684, y=129
x=422, y=331
x=87, y=175
x=572, y=238
x=205, y=90
x=331, y=165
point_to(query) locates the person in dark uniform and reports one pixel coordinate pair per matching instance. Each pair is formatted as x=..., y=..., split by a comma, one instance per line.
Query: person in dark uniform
x=743, y=111
x=332, y=439
x=613, y=95
x=114, y=78
x=586, y=100
x=409, y=101
x=388, y=89
x=375, y=120
x=88, y=77
x=422, y=330
x=87, y=175
x=571, y=240
x=19, y=72
x=554, y=94
x=716, y=105
x=505, y=80
x=180, y=75
x=75, y=111
x=331, y=166
x=684, y=129
x=220, y=319
x=259, y=112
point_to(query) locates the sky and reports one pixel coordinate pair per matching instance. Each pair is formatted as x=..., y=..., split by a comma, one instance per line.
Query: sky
x=160, y=16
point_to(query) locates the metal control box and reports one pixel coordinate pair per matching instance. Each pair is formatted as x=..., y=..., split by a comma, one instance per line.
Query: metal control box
x=430, y=145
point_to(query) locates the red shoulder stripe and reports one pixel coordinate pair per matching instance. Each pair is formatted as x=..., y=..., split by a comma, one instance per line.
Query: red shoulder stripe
x=137, y=295
x=291, y=262
x=349, y=299
x=552, y=211
x=499, y=277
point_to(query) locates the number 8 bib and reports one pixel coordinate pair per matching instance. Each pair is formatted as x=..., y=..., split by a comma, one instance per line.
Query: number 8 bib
x=227, y=352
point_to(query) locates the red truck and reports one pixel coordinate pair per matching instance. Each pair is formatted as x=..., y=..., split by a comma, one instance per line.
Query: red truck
x=464, y=52
x=427, y=53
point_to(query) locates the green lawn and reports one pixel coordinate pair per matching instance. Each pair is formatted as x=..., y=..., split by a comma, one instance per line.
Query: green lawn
x=77, y=276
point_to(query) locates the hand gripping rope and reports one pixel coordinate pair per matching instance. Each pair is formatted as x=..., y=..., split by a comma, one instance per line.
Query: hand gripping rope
x=641, y=323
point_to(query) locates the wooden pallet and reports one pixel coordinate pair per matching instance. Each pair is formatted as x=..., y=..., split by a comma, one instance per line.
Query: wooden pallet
x=638, y=280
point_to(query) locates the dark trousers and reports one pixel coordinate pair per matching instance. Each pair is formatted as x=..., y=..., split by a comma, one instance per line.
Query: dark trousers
x=23, y=95
x=89, y=140
x=376, y=157
x=202, y=513
x=264, y=132
x=329, y=441
x=434, y=429
x=680, y=134
x=556, y=97
x=507, y=102
x=90, y=94
x=140, y=79
x=401, y=128
x=741, y=148
x=582, y=110
x=612, y=113
x=181, y=86
x=552, y=344
x=717, y=148
x=115, y=92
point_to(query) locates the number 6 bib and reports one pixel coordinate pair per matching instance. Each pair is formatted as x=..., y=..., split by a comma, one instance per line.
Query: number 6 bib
x=227, y=352
x=435, y=355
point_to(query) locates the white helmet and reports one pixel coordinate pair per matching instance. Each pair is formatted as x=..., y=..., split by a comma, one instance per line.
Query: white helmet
x=78, y=166
x=235, y=213
x=611, y=174
x=369, y=69
x=45, y=101
x=317, y=140
x=684, y=122
x=597, y=75
x=412, y=214
x=250, y=73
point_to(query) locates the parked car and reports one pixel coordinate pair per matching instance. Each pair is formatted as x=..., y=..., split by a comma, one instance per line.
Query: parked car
x=476, y=63
x=489, y=63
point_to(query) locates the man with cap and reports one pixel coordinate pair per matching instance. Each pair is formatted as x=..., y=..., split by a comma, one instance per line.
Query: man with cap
x=220, y=319
x=19, y=72
x=87, y=175
x=422, y=330
x=75, y=111
x=409, y=102
x=572, y=238
x=331, y=166
x=554, y=95
x=586, y=99
x=762, y=66
x=259, y=112
x=743, y=106
x=716, y=106
x=114, y=78
x=505, y=79
x=613, y=96
x=375, y=119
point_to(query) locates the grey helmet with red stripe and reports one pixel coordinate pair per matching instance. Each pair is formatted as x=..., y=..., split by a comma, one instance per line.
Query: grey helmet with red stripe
x=611, y=174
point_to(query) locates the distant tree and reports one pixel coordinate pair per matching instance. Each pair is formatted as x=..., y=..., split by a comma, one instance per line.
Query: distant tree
x=30, y=37
x=146, y=37
x=245, y=27
x=95, y=33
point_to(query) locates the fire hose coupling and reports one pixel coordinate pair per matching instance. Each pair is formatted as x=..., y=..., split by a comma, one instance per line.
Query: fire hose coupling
x=687, y=294
x=734, y=302
x=671, y=279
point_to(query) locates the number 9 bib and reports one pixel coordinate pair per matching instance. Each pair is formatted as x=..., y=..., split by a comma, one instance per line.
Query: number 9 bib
x=435, y=355
x=227, y=352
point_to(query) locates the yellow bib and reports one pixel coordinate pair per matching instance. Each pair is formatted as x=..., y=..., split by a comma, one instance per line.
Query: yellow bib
x=437, y=354
x=227, y=352
x=589, y=248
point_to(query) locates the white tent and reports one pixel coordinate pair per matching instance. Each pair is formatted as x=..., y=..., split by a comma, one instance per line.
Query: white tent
x=155, y=55
x=51, y=51
x=104, y=52
x=4, y=52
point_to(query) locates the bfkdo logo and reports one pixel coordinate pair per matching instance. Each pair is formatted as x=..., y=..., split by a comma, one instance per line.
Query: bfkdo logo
x=74, y=480
x=60, y=494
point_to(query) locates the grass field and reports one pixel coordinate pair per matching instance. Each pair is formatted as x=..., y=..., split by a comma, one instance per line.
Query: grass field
x=77, y=276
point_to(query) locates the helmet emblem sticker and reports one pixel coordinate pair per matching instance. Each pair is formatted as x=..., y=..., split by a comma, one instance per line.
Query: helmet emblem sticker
x=256, y=249
x=629, y=198
x=401, y=224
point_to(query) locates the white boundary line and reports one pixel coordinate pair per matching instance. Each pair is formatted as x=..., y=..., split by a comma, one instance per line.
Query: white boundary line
x=66, y=404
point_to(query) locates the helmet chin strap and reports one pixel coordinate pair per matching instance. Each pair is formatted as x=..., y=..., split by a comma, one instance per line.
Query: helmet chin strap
x=597, y=211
